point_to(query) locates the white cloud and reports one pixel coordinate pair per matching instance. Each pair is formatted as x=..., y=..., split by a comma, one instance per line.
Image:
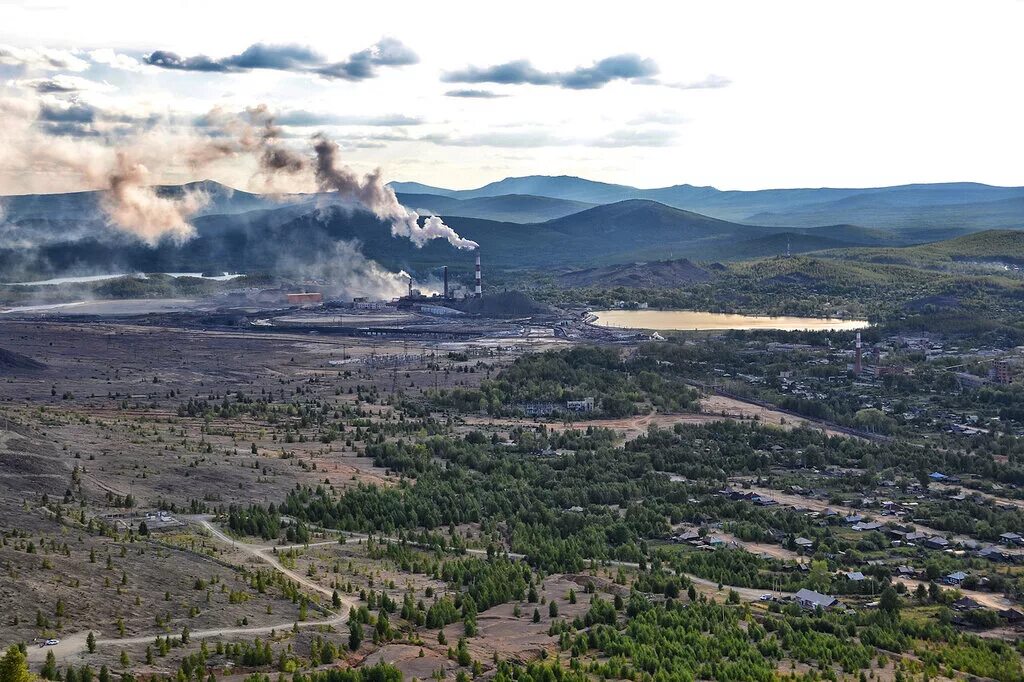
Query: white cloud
x=115, y=60
x=41, y=59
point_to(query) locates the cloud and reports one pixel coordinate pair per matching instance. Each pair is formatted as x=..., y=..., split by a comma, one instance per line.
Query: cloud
x=41, y=59
x=509, y=139
x=73, y=113
x=634, y=137
x=108, y=57
x=628, y=137
x=522, y=72
x=709, y=82
x=363, y=64
x=302, y=118
x=63, y=84
x=474, y=94
x=294, y=58
x=665, y=117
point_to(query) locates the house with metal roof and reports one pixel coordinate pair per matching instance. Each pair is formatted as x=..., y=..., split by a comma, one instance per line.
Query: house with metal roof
x=809, y=599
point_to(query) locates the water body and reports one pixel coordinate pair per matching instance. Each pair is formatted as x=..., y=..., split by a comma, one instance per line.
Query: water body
x=99, y=278
x=687, y=320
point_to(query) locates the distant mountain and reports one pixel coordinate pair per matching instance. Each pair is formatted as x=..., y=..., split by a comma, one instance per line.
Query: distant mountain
x=892, y=210
x=296, y=238
x=86, y=205
x=420, y=188
x=516, y=208
x=964, y=205
x=53, y=235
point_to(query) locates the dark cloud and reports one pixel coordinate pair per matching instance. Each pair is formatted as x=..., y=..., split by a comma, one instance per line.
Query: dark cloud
x=363, y=64
x=280, y=57
x=77, y=119
x=296, y=58
x=522, y=72
x=172, y=60
x=62, y=85
x=68, y=129
x=51, y=86
x=474, y=94
x=74, y=113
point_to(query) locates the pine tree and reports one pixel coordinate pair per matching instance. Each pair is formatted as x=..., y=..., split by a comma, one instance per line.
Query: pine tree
x=90, y=642
x=14, y=667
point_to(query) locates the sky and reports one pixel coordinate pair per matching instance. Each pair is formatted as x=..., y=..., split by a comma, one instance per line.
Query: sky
x=736, y=94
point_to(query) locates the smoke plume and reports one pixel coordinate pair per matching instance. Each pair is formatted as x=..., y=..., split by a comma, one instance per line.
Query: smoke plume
x=133, y=205
x=349, y=272
x=373, y=194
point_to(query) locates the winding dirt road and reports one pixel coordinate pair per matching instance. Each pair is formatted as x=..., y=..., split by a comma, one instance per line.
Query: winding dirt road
x=75, y=644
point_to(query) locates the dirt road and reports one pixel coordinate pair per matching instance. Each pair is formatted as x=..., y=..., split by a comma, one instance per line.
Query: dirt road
x=75, y=644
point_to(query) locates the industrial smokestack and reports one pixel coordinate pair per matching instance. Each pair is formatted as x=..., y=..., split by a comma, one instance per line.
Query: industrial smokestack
x=479, y=287
x=857, y=362
x=446, y=282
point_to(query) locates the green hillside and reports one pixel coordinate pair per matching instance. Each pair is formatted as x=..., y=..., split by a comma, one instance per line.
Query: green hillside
x=1004, y=247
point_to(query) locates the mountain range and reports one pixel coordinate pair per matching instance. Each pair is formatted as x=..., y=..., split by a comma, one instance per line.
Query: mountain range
x=537, y=223
x=964, y=205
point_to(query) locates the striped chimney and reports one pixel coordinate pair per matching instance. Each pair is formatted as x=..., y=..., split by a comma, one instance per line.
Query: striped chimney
x=479, y=288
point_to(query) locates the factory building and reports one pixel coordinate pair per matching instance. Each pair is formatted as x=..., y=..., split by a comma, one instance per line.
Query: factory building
x=305, y=298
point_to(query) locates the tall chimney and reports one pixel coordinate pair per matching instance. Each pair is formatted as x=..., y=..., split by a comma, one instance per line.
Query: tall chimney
x=479, y=287
x=446, y=282
x=857, y=366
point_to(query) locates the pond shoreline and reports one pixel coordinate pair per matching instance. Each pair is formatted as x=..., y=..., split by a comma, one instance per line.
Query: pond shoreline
x=695, y=320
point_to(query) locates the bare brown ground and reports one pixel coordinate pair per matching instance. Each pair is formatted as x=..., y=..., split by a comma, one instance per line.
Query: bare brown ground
x=715, y=408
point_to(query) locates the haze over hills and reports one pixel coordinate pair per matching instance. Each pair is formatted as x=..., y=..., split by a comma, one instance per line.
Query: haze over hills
x=961, y=204
x=517, y=208
x=299, y=236
x=61, y=234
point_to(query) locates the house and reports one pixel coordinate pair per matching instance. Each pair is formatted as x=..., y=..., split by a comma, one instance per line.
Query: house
x=955, y=579
x=905, y=572
x=853, y=518
x=1011, y=539
x=967, y=604
x=689, y=536
x=1012, y=615
x=936, y=542
x=804, y=543
x=809, y=599
x=585, y=405
x=872, y=525
x=937, y=476
x=855, y=576
x=993, y=553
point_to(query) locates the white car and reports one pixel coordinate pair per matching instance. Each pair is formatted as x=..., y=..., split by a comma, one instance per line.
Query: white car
x=766, y=597
x=51, y=642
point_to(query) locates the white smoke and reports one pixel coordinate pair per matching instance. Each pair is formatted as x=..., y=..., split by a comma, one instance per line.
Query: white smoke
x=349, y=272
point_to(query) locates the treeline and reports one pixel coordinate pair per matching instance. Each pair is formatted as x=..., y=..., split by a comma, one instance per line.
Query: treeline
x=620, y=387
